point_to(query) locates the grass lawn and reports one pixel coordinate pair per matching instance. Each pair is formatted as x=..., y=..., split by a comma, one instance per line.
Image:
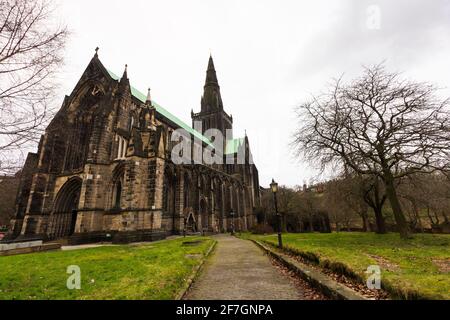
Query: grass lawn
x=152, y=271
x=415, y=268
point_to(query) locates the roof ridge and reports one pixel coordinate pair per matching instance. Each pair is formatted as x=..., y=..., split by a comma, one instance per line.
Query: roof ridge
x=163, y=111
x=232, y=146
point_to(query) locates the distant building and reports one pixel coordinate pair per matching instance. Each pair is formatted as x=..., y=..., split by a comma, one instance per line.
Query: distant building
x=316, y=188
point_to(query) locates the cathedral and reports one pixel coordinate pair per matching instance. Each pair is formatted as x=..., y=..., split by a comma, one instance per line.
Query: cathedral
x=104, y=170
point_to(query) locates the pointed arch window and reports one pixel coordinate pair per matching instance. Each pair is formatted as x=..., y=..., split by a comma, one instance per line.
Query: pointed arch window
x=117, y=188
x=117, y=194
x=166, y=199
x=122, y=147
x=131, y=123
x=186, y=200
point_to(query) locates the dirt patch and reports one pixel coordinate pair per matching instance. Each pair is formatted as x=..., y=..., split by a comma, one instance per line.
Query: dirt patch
x=192, y=243
x=385, y=264
x=442, y=264
x=194, y=256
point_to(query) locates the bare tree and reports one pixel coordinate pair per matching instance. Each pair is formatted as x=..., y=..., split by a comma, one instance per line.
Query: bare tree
x=31, y=48
x=377, y=125
x=336, y=201
x=427, y=193
x=286, y=204
x=353, y=192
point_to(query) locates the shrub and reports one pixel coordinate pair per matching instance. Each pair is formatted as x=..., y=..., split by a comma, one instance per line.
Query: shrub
x=262, y=229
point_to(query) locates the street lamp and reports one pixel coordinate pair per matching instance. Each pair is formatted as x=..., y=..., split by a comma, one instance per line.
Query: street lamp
x=274, y=187
x=232, y=222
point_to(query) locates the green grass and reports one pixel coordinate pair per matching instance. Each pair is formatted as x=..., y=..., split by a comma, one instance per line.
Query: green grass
x=156, y=271
x=407, y=266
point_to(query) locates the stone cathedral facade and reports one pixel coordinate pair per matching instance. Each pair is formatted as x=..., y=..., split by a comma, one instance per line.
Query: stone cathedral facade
x=103, y=170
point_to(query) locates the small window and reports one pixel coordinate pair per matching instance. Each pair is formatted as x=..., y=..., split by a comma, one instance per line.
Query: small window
x=122, y=149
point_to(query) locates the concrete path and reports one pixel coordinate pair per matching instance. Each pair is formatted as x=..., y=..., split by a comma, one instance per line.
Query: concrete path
x=238, y=270
x=84, y=246
x=108, y=244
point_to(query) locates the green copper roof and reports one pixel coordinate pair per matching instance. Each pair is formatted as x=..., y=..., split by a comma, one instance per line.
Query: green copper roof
x=140, y=96
x=233, y=145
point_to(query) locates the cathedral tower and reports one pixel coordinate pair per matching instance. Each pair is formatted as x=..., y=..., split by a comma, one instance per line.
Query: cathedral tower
x=212, y=114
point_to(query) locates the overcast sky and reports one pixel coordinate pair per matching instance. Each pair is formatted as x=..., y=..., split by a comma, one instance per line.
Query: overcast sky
x=269, y=55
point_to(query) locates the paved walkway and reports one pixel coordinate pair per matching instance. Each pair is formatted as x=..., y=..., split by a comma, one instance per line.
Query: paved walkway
x=108, y=244
x=84, y=246
x=238, y=270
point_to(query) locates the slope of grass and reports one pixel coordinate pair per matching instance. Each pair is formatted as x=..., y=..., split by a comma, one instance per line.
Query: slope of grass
x=414, y=268
x=152, y=271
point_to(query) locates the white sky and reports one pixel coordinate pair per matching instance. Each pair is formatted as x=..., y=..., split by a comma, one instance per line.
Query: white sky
x=269, y=55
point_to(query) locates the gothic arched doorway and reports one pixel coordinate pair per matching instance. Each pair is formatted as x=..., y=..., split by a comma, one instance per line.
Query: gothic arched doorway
x=64, y=215
x=191, y=223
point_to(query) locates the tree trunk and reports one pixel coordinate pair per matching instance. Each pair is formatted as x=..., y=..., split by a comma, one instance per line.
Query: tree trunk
x=437, y=217
x=417, y=214
x=364, y=221
x=300, y=225
x=377, y=203
x=400, y=220
x=430, y=217
x=365, y=218
x=445, y=216
x=379, y=220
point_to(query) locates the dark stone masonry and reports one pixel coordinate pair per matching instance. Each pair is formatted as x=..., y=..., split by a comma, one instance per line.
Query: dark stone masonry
x=103, y=170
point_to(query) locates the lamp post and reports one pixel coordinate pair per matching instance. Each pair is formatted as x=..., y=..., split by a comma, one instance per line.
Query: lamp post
x=274, y=187
x=232, y=222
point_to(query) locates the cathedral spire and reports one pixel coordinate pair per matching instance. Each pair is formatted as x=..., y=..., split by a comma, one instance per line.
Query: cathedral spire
x=211, y=77
x=211, y=99
x=212, y=113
